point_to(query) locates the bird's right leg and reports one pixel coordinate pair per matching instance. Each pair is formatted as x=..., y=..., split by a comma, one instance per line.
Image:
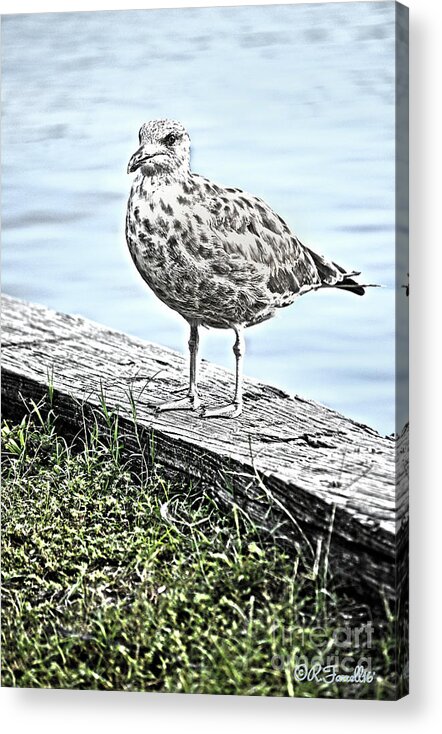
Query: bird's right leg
x=191, y=401
x=233, y=409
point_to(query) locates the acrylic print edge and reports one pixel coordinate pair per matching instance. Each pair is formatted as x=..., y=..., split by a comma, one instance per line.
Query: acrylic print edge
x=401, y=612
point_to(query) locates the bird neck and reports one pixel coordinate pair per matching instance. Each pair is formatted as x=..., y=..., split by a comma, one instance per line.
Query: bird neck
x=159, y=179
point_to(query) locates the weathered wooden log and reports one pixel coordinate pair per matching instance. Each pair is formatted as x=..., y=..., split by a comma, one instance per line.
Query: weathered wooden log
x=316, y=480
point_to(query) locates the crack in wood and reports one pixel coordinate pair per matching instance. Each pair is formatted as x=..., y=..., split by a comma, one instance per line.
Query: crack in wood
x=35, y=342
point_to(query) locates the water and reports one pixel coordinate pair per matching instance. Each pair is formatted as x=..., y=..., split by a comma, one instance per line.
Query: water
x=292, y=103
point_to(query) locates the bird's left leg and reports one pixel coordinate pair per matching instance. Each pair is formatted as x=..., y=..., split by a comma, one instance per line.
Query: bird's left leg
x=233, y=409
x=191, y=401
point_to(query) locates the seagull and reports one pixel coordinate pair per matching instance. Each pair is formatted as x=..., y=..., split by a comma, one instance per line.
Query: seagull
x=220, y=257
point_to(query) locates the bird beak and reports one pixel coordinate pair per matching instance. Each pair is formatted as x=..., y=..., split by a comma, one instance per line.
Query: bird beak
x=144, y=152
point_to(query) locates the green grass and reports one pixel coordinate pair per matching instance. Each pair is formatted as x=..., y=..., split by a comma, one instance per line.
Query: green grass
x=110, y=582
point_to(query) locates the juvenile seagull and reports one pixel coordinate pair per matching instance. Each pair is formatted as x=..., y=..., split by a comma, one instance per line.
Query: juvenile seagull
x=219, y=256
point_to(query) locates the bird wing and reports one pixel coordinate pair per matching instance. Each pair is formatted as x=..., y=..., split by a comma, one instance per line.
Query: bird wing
x=246, y=229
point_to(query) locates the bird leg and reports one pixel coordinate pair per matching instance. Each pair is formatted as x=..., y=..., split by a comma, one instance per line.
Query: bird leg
x=233, y=409
x=191, y=401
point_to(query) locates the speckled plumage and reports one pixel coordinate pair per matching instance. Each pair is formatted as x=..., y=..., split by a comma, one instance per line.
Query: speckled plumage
x=218, y=256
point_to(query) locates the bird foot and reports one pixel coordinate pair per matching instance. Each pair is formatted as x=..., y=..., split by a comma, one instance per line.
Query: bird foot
x=190, y=402
x=232, y=410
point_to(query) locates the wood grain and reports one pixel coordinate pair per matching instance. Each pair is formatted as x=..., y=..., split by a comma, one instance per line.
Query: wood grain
x=310, y=476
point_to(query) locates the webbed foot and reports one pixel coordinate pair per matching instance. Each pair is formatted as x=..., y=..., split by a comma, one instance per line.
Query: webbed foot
x=189, y=402
x=231, y=410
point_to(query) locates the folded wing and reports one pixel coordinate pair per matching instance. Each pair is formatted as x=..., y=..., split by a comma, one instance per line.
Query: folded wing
x=246, y=230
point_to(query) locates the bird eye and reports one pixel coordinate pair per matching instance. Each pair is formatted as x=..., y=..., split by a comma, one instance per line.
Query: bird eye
x=170, y=139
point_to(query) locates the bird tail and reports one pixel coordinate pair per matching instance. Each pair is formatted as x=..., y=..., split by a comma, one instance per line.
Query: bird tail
x=333, y=275
x=348, y=284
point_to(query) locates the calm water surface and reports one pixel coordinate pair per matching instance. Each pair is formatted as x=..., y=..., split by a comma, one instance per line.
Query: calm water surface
x=292, y=103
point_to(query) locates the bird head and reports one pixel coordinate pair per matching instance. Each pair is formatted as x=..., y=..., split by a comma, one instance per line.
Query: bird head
x=164, y=148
